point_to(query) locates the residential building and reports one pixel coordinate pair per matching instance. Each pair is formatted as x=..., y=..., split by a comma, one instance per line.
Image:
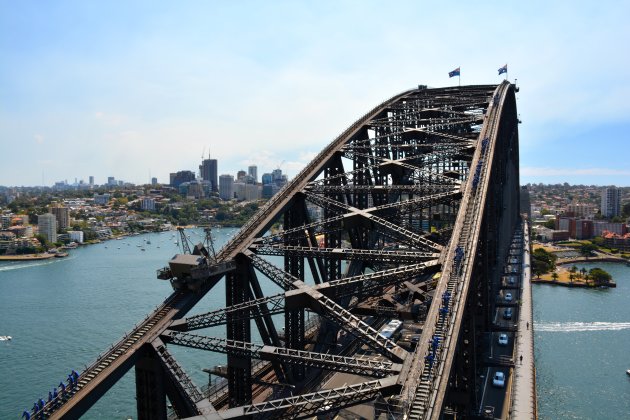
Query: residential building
x=600, y=226
x=47, y=224
x=616, y=241
x=62, y=214
x=101, y=199
x=611, y=202
x=76, y=236
x=147, y=204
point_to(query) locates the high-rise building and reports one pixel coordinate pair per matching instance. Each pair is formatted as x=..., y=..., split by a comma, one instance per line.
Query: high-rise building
x=181, y=177
x=267, y=179
x=47, y=224
x=252, y=171
x=111, y=181
x=226, y=187
x=208, y=171
x=154, y=181
x=91, y=180
x=240, y=175
x=611, y=202
x=62, y=215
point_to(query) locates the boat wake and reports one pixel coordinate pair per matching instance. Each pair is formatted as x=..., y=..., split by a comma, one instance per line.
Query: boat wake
x=581, y=326
x=27, y=264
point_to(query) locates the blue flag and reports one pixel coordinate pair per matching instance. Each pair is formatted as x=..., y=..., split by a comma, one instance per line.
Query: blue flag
x=503, y=70
x=454, y=72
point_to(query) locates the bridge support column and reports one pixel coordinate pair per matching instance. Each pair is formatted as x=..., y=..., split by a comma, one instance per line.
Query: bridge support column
x=239, y=368
x=150, y=388
x=294, y=327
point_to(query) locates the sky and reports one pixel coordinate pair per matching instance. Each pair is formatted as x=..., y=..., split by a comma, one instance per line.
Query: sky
x=139, y=89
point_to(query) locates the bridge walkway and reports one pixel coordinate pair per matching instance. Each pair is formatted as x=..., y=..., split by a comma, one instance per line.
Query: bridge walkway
x=524, y=405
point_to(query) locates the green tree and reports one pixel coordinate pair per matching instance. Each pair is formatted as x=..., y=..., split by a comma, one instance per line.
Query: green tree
x=625, y=210
x=543, y=261
x=42, y=240
x=588, y=250
x=554, y=276
x=550, y=224
x=599, y=276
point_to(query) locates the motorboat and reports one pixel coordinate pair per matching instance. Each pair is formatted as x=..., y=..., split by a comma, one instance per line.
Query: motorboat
x=5, y=338
x=627, y=371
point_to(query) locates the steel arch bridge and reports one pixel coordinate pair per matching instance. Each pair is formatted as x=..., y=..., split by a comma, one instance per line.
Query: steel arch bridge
x=404, y=216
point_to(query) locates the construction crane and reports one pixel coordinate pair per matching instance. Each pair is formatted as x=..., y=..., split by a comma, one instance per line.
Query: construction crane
x=184, y=240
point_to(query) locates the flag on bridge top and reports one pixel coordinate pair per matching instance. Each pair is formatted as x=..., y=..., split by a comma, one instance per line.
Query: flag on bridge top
x=503, y=70
x=454, y=72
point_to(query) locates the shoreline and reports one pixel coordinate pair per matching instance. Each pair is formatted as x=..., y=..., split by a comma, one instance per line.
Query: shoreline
x=579, y=284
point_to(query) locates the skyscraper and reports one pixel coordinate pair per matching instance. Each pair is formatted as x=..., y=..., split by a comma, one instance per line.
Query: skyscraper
x=252, y=171
x=208, y=171
x=226, y=187
x=91, y=180
x=47, y=226
x=611, y=202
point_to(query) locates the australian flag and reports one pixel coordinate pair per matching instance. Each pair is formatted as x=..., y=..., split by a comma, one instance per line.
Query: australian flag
x=454, y=72
x=503, y=70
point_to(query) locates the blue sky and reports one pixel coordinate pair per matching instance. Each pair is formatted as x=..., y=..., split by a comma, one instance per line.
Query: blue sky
x=132, y=88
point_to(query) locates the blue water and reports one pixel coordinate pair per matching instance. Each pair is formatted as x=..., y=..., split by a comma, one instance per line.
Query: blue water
x=582, y=346
x=63, y=313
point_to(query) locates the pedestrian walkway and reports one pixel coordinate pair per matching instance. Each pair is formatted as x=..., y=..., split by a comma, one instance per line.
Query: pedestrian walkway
x=524, y=379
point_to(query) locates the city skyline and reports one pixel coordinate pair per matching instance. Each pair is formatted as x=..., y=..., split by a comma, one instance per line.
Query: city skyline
x=148, y=90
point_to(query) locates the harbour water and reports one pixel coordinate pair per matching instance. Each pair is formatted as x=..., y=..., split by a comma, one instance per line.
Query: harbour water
x=62, y=313
x=582, y=347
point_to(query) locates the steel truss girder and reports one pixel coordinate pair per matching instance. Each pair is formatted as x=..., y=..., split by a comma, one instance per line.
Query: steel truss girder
x=428, y=159
x=188, y=391
x=349, y=254
x=403, y=206
x=376, y=280
x=241, y=311
x=414, y=189
x=416, y=239
x=362, y=365
x=330, y=309
x=312, y=404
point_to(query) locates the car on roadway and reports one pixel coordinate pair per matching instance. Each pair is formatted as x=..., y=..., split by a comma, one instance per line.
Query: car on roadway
x=507, y=313
x=511, y=280
x=508, y=297
x=499, y=379
x=503, y=339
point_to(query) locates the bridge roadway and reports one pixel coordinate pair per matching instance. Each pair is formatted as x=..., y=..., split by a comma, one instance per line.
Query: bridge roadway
x=107, y=369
